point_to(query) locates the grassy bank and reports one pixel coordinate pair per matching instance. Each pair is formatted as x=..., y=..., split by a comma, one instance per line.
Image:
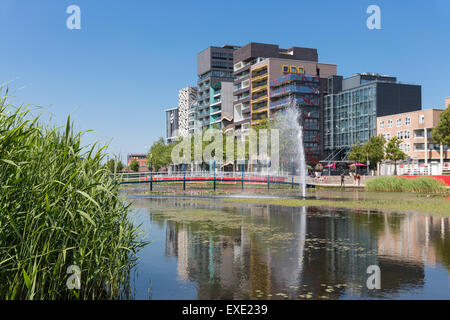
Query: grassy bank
x=436, y=206
x=399, y=184
x=59, y=206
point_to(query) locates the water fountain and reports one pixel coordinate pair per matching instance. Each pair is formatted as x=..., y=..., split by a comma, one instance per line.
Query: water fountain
x=289, y=123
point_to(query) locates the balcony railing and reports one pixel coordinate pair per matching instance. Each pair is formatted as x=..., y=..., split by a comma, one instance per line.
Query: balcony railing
x=294, y=77
x=294, y=88
x=305, y=101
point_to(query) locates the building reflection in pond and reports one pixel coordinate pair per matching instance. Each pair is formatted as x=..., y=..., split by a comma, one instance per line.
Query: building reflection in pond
x=330, y=247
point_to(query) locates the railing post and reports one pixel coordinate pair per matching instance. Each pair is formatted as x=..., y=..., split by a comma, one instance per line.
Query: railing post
x=214, y=175
x=184, y=176
x=242, y=180
x=151, y=174
x=293, y=172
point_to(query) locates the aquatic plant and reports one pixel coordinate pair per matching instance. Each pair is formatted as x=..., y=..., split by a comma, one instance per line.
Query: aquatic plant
x=59, y=207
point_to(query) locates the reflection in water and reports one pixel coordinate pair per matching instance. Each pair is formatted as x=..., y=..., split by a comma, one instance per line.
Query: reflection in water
x=282, y=252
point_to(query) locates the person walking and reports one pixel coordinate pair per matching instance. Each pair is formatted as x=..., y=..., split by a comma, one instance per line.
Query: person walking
x=342, y=179
x=358, y=177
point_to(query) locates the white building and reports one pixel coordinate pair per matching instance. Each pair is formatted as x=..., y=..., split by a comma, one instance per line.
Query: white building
x=187, y=97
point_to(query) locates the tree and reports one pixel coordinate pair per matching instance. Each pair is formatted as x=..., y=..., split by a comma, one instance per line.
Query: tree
x=375, y=148
x=394, y=153
x=160, y=154
x=134, y=166
x=358, y=153
x=114, y=165
x=441, y=133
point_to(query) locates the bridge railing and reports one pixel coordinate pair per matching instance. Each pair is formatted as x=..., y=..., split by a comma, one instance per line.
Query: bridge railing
x=238, y=178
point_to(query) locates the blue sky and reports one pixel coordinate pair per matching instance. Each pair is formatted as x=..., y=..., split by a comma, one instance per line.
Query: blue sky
x=125, y=66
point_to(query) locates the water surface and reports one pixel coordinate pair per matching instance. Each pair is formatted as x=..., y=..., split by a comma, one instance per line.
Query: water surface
x=209, y=249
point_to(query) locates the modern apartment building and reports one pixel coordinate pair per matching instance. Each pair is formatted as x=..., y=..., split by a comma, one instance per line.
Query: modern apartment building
x=214, y=69
x=187, y=98
x=353, y=104
x=277, y=83
x=221, y=105
x=244, y=60
x=171, y=125
x=447, y=102
x=414, y=129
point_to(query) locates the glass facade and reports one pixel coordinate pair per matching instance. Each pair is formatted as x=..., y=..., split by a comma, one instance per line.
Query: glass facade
x=349, y=117
x=304, y=90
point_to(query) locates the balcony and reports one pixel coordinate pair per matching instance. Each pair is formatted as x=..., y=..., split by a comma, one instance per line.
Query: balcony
x=238, y=66
x=259, y=72
x=293, y=88
x=259, y=83
x=294, y=77
x=302, y=101
x=215, y=118
x=259, y=94
x=259, y=105
x=215, y=110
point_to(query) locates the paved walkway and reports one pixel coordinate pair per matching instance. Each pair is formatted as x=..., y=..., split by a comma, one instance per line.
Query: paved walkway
x=333, y=185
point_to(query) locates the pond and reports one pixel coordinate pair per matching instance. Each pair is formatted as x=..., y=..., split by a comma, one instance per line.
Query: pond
x=206, y=248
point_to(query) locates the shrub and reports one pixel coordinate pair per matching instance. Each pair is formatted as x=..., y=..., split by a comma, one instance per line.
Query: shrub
x=59, y=206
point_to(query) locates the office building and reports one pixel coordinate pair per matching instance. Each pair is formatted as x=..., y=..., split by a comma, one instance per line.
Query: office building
x=214, y=69
x=171, y=125
x=187, y=98
x=353, y=104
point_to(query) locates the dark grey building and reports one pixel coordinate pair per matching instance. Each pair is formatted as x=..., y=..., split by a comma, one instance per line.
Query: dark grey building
x=214, y=65
x=171, y=124
x=353, y=104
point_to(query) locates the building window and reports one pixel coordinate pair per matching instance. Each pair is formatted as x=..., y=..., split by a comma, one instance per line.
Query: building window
x=293, y=69
x=421, y=119
x=406, y=134
x=285, y=69
x=388, y=136
x=407, y=121
x=419, y=147
x=381, y=124
x=400, y=135
x=390, y=122
x=399, y=122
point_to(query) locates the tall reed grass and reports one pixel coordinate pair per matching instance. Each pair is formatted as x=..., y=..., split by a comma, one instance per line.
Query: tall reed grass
x=59, y=206
x=399, y=184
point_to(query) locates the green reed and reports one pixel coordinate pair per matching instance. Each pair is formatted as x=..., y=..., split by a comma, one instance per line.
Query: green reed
x=399, y=184
x=59, y=206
